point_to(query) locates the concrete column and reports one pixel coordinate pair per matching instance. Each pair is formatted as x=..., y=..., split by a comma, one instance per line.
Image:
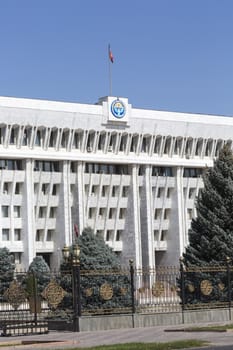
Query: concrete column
x=131, y=239
x=148, y=255
x=29, y=231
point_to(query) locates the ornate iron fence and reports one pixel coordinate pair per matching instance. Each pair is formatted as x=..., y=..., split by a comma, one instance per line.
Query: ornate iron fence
x=29, y=301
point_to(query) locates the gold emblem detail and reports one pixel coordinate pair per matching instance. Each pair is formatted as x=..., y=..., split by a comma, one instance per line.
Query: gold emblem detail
x=221, y=286
x=191, y=288
x=157, y=289
x=53, y=293
x=106, y=291
x=123, y=291
x=15, y=294
x=206, y=287
x=88, y=292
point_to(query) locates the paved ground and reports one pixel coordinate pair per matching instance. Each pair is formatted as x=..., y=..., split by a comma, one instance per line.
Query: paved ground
x=62, y=340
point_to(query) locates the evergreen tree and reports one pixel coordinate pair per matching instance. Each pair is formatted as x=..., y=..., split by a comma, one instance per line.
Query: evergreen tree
x=211, y=232
x=99, y=266
x=41, y=271
x=7, y=268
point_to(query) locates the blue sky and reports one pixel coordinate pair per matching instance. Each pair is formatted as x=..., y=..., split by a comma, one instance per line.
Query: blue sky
x=174, y=55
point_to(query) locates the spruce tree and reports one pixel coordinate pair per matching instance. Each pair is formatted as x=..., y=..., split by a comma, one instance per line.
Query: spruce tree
x=41, y=272
x=211, y=234
x=99, y=266
x=7, y=268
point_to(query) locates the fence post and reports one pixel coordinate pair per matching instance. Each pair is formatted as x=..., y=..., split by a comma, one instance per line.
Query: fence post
x=35, y=296
x=182, y=287
x=132, y=285
x=228, y=285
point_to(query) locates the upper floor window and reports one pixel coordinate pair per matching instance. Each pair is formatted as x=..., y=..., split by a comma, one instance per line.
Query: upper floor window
x=162, y=171
x=192, y=172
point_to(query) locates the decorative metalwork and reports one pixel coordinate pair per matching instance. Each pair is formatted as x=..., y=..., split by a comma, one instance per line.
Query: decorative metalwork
x=221, y=286
x=88, y=292
x=15, y=294
x=173, y=288
x=157, y=289
x=123, y=291
x=53, y=293
x=106, y=291
x=206, y=268
x=191, y=288
x=206, y=287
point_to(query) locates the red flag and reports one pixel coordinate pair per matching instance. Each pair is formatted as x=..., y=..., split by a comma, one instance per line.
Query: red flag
x=110, y=55
x=76, y=230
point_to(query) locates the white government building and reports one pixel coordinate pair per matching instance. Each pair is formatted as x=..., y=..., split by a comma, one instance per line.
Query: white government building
x=130, y=174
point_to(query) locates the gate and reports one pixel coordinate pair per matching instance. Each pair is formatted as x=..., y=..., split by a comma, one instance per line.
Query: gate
x=26, y=300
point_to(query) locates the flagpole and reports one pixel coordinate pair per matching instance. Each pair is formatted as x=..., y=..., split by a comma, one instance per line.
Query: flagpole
x=110, y=78
x=110, y=61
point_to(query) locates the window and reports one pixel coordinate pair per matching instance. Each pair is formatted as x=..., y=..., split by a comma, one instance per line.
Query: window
x=192, y=172
x=11, y=164
x=12, y=136
x=42, y=212
x=55, y=189
x=162, y=171
x=109, y=235
x=45, y=188
x=156, y=235
x=114, y=191
x=192, y=192
x=104, y=191
x=39, y=235
x=38, y=138
x=169, y=191
x=94, y=190
x=119, y=235
x=122, y=213
x=160, y=192
x=178, y=146
x=157, y=145
x=157, y=214
x=189, y=214
x=6, y=187
x=46, y=166
x=18, y=258
x=5, y=234
x=111, y=213
x=101, y=212
x=167, y=145
x=53, y=211
x=163, y=235
x=17, y=234
x=166, y=214
x=91, y=213
x=5, y=211
x=50, y=234
x=17, y=212
x=18, y=188
x=125, y=190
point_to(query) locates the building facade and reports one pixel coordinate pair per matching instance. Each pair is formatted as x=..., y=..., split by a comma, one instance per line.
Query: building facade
x=130, y=174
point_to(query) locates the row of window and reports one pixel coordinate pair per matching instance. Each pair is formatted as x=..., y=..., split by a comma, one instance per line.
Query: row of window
x=115, y=191
x=42, y=212
x=40, y=235
x=16, y=233
x=96, y=168
x=109, y=235
x=103, y=212
x=106, y=141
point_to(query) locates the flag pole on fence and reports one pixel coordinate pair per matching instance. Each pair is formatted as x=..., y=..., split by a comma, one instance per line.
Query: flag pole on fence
x=110, y=62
